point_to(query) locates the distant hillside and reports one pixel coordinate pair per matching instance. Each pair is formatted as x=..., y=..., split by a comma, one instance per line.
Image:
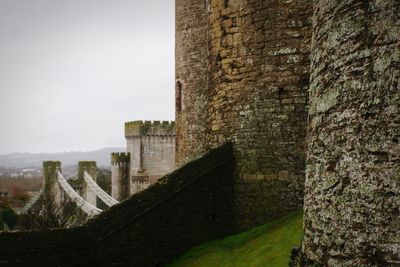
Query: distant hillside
x=25, y=160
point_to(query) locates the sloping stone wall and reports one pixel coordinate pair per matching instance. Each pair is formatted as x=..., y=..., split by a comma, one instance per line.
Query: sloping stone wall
x=188, y=207
x=352, y=195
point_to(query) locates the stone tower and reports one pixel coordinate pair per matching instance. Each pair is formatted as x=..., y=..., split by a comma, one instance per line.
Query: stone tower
x=352, y=192
x=120, y=180
x=91, y=168
x=191, y=48
x=152, y=148
x=256, y=95
x=52, y=190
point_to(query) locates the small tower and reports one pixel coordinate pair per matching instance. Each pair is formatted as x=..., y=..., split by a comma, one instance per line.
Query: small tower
x=51, y=190
x=91, y=168
x=120, y=182
x=152, y=149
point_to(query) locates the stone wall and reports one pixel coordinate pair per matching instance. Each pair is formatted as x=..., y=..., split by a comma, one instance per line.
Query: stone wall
x=256, y=95
x=52, y=191
x=191, y=52
x=152, y=228
x=120, y=180
x=91, y=168
x=152, y=148
x=352, y=201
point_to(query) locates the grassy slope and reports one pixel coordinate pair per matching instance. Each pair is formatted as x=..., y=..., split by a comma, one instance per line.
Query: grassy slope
x=266, y=245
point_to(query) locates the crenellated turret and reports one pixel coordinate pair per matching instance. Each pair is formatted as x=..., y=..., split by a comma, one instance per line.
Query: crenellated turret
x=151, y=145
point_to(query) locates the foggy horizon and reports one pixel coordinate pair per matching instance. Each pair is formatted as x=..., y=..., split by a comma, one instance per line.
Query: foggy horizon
x=73, y=72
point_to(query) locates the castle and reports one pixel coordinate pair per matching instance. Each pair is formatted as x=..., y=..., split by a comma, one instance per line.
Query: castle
x=306, y=94
x=150, y=155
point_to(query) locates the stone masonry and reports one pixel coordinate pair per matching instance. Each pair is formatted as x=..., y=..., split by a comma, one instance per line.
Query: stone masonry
x=91, y=168
x=256, y=96
x=352, y=192
x=152, y=151
x=52, y=191
x=120, y=180
x=191, y=68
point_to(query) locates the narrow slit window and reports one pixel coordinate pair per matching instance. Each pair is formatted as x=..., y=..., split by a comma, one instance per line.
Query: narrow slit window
x=179, y=96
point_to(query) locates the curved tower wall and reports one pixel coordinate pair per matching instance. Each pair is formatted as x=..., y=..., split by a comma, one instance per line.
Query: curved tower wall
x=257, y=98
x=120, y=180
x=352, y=193
x=191, y=53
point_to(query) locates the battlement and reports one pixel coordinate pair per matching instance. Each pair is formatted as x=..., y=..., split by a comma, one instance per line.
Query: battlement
x=143, y=128
x=119, y=157
x=87, y=166
x=51, y=164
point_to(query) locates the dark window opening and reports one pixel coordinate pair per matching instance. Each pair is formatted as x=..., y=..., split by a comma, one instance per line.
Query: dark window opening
x=179, y=96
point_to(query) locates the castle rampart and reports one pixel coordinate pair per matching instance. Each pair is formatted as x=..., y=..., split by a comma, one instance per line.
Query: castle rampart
x=149, y=128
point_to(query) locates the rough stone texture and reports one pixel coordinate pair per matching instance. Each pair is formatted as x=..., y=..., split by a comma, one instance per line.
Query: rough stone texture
x=352, y=195
x=52, y=191
x=91, y=168
x=152, y=148
x=186, y=208
x=120, y=180
x=256, y=95
x=191, y=53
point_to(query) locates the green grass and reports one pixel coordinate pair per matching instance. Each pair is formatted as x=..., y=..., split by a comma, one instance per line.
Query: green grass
x=266, y=245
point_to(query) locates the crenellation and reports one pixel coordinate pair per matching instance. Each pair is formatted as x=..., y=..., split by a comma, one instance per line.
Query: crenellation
x=142, y=128
x=120, y=157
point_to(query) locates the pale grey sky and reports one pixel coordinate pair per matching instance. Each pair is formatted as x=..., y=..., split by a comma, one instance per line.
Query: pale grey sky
x=73, y=71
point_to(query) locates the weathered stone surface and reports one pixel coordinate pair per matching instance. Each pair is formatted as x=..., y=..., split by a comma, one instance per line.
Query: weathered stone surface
x=352, y=194
x=255, y=94
x=191, y=59
x=151, y=145
x=120, y=179
x=91, y=168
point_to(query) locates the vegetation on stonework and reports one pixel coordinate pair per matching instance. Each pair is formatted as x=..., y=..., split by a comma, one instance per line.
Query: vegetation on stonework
x=266, y=245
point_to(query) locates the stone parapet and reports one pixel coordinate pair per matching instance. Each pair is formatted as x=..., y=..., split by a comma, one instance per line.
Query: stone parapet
x=143, y=128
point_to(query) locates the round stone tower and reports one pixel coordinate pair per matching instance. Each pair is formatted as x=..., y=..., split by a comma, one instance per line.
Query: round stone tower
x=257, y=99
x=352, y=193
x=191, y=78
x=50, y=174
x=91, y=168
x=120, y=181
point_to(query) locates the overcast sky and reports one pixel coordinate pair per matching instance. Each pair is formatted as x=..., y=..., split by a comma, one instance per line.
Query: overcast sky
x=73, y=71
